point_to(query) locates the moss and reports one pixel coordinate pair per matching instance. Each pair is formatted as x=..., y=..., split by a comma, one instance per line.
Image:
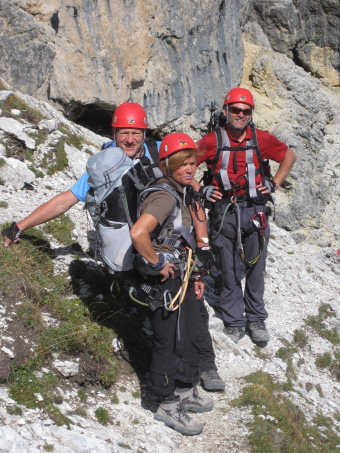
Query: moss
x=2, y=162
x=3, y=204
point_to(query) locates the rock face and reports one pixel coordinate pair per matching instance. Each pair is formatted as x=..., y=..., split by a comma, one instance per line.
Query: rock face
x=175, y=57
x=171, y=56
x=307, y=31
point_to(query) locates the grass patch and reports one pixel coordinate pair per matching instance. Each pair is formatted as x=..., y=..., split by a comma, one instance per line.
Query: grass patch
x=74, y=140
x=300, y=338
x=327, y=360
x=55, y=159
x=27, y=274
x=317, y=323
x=102, y=415
x=123, y=445
x=2, y=182
x=109, y=375
x=115, y=399
x=82, y=395
x=57, y=416
x=38, y=173
x=28, y=389
x=27, y=113
x=278, y=424
x=14, y=410
x=3, y=204
x=2, y=162
x=61, y=229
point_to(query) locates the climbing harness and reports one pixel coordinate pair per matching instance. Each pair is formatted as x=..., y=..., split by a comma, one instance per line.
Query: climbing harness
x=164, y=298
x=259, y=223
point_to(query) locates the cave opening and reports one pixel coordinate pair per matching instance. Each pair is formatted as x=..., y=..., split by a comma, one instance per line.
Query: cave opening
x=98, y=119
x=94, y=117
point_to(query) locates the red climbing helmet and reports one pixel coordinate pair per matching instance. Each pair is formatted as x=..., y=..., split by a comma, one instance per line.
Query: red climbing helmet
x=172, y=143
x=239, y=95
x=130, y=114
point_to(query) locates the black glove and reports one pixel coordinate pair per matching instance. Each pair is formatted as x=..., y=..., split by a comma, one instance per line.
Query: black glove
x=206, y=192
x=12, y=232
x=270, y=184
x=205, y=258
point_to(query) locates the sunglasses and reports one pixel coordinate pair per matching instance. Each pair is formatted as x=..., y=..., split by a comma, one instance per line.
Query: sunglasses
x=236, y=111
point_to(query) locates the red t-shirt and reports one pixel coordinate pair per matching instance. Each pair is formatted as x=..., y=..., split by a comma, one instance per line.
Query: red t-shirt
x=270, y=147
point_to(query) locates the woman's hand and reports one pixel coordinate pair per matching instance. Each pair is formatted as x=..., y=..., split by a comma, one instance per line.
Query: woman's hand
x=199, y=288
x=168, y=271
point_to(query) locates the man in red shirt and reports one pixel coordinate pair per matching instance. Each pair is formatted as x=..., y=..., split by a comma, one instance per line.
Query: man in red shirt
x=236, y=157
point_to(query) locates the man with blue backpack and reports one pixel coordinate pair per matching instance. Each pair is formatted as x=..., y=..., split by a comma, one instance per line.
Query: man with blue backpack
x=135, y=157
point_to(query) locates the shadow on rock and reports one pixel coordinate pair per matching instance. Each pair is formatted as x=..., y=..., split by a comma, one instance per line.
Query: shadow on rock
x=111, y=307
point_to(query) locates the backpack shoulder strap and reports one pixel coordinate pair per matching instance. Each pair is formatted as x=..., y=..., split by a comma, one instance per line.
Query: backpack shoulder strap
x=153, y=150
x=257, y=149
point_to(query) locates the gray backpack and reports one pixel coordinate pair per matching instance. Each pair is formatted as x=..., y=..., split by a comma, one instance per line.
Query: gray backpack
x=116, y=181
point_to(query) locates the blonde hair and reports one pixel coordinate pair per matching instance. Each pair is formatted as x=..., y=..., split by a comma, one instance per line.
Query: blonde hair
x=173, y=162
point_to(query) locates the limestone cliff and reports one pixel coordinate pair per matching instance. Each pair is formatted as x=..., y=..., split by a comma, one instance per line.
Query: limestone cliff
x=171, y=56
x=175, y=57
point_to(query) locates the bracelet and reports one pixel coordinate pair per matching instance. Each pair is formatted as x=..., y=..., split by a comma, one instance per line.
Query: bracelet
x=160, y=264
x=205, y=248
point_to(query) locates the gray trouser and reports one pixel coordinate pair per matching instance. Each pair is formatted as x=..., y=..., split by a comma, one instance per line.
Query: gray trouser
x=237, y=308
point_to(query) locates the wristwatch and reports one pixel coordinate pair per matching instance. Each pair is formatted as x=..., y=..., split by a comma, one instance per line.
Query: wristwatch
x=204, y=240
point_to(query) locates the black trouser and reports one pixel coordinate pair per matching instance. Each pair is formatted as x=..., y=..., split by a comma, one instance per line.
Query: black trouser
x=206, y=350
x=176, y=341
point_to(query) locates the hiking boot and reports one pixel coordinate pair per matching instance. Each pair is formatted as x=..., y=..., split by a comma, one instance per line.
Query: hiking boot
x=258, y=333
x=173, y=415
x=211, y=381
x=193, y=402
x=235, y=333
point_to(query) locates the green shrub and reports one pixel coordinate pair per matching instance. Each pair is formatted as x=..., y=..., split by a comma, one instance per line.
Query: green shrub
x=300, y=338
x=102, y=415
